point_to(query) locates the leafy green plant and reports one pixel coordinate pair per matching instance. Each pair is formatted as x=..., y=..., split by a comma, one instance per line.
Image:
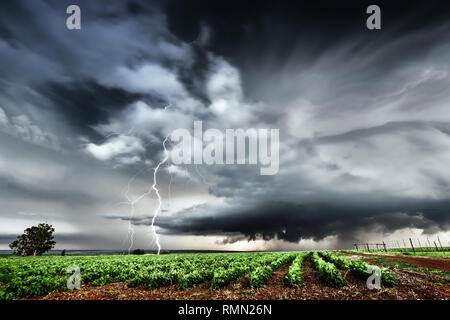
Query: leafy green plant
x=359, y=268
x=190, y=279
x=339, y=262
x=294, y=276
x=259, y=276
x=328, y=271
x=223, y=277
x=387, y=279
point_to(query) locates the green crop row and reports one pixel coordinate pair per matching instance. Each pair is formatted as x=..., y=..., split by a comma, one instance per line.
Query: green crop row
x=359, y=268
x=339, y=262
x=261, y=274
x=260, y=268
x=328, y=271
x=294, y=276
x=222, y=277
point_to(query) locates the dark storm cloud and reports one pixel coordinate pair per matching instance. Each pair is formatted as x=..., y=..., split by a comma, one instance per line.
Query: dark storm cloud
x=272, y=33
x=294, y=222
x=137, y=221
x=86, y=103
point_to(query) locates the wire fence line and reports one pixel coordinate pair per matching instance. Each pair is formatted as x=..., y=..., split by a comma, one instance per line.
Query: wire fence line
x=411, y=244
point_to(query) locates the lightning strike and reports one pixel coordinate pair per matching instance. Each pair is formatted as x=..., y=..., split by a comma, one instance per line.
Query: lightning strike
x=154, y=187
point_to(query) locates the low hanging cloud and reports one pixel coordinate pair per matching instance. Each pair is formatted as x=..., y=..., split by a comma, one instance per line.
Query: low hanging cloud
x=294, y=222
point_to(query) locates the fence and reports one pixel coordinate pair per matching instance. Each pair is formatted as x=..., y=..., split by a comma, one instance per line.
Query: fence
x=409, y=245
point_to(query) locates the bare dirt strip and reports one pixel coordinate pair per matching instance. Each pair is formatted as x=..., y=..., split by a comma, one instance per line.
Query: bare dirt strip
x=410, y=286
x=424, y=262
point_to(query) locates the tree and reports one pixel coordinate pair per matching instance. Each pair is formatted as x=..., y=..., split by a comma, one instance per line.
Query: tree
x=34, y=241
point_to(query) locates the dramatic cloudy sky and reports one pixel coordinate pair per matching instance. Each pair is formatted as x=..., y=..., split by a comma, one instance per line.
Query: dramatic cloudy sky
x=364, y=120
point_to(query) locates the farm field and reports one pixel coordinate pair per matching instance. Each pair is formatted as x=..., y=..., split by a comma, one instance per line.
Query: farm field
x=258, y=275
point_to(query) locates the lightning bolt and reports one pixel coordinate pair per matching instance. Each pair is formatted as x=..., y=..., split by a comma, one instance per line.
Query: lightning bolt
x=132, y=202
x=154, y=187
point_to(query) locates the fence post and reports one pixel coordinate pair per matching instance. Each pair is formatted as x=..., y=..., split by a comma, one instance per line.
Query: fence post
x=436, y=246
x=356, y=246
x=412, y=246
x=384, y=245
x=368, y=249
x=440, y=242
